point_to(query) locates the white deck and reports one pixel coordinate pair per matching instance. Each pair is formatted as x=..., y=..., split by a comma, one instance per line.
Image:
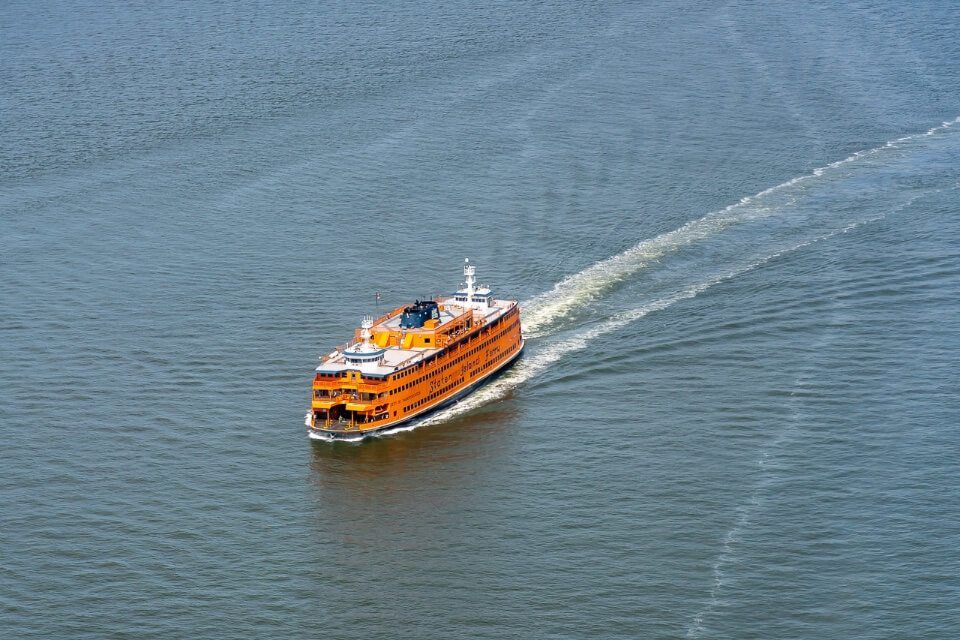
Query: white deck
x=396, y=358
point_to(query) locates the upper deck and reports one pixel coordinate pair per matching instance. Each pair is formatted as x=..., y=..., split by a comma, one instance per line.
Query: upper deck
x=413, y=333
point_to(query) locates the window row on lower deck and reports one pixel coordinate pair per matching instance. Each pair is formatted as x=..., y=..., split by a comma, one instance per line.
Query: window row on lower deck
x=436, y=394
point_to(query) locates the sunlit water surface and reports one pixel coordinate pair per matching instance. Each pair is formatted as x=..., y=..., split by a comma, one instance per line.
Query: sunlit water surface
x=734, y=231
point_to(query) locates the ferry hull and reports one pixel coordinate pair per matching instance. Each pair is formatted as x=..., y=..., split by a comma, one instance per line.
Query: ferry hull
x=355, y=435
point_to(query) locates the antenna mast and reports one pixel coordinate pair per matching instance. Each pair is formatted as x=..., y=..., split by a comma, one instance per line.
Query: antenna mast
x=468, y=272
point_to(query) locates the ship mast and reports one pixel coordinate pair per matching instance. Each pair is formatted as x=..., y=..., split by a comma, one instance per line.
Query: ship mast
x=468, y=273
x=365, y=326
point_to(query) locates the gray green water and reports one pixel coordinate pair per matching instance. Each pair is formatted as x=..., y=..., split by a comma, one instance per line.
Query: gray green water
x=734, y=230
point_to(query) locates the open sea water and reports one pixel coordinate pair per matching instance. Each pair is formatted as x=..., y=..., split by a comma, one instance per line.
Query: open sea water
x=734, y=230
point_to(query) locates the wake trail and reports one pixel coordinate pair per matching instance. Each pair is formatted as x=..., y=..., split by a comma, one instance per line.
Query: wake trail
x=528, y=367
x=543, y=313
x=546, y=309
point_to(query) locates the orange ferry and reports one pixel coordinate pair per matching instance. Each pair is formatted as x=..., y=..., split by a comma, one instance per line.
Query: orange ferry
x=413, y=360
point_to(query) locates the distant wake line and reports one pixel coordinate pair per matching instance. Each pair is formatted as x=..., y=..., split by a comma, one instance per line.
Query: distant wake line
x=746, y=511
x=543, y=312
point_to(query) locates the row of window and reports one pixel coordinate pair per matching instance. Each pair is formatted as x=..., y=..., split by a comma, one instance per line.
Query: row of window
x=340, y=374
x=455, y=361
x=459, y=381
x=445, y=389
x=435, y=394
x=333, y=393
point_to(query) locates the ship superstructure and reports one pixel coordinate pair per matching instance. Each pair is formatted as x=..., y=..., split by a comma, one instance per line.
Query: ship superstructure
x=415, y=359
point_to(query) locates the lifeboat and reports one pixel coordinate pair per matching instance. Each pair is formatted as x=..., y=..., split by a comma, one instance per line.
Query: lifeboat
x=416, y=359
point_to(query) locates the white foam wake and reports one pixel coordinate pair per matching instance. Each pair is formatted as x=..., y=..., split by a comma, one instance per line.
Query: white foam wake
x=543, y=311
x=529, y=367
x=547, y=308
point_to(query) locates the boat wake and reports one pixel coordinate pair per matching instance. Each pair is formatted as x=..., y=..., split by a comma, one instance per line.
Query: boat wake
x=546, y=309
x=831, y=200
x=529, y=367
